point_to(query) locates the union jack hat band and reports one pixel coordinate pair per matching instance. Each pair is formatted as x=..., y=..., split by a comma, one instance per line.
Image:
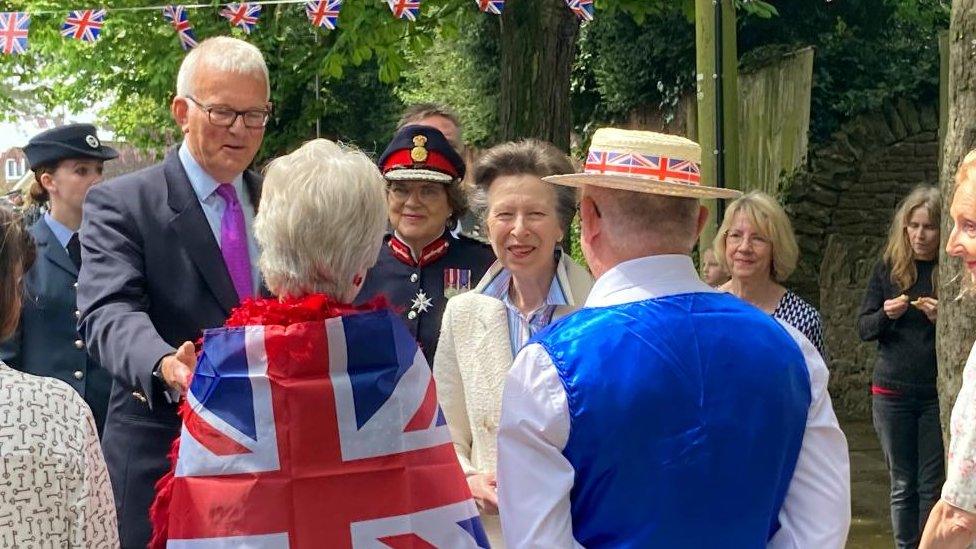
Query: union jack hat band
x=642, y=161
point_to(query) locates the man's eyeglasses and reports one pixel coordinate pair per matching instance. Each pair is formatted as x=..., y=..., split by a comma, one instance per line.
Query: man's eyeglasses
x=226, y=117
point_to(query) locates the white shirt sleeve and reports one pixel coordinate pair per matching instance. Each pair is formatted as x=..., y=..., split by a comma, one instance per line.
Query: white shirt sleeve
x=534, y=478
x=817, y=509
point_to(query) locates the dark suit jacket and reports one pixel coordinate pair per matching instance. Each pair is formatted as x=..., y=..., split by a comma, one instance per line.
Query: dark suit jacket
x=152, y=277
x=47, y=342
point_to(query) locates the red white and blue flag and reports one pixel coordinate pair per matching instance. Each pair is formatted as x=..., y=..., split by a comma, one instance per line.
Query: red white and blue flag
x=660, y=168
x=324, y=13
x=13, y=31
x=244, y=15
x=317, y=434
x=491, y=6
x=180, y=20
x=582, y=8
x=405, y=9
x=84, y=25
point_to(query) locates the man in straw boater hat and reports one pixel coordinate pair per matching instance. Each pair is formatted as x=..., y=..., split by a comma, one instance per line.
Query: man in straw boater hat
x=665, y=413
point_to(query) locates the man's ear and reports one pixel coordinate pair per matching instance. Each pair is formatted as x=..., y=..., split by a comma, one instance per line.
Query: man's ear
x=180, y=109
x=702, y=219
x=591, y=224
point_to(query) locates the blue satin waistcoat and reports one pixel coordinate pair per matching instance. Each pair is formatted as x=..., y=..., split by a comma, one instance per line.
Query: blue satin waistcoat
x=686, y=418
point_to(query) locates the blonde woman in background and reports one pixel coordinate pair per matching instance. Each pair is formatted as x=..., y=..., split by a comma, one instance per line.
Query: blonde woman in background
x=757, y=247
x=899, y=312
x=952, y=522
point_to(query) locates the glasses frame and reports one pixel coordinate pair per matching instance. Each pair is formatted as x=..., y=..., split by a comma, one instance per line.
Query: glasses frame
x=237, y=114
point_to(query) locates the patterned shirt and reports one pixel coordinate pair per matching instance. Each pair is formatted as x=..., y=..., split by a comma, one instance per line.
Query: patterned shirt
x=54, y=487
x=522, y=327
x=960, y=485
x=796, y=312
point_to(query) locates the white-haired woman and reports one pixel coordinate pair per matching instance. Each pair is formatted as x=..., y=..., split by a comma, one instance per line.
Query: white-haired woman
x=532, y=284
x=952, y=522
x=757, y=247
x=348, y=383
x=899, y=312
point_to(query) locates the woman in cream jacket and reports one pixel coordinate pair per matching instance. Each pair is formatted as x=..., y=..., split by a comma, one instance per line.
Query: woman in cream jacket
x=531, y=285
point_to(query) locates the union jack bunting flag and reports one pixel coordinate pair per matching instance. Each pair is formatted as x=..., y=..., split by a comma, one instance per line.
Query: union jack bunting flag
x=83, y=25
x=582, y=8
x=13, y=31
x=244, y=15
x=324, y=13
x=178, y=17
x=405, y=9
x=491, y=6
x=317, y=434
x=661, y=168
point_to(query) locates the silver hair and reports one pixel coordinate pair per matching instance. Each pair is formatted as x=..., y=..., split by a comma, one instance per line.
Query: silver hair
x=222, y=53
x=321, y=220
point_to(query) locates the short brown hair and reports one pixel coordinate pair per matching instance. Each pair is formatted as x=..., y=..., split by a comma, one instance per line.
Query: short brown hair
x=532, y=157
x=16, y=258
x=419, y=111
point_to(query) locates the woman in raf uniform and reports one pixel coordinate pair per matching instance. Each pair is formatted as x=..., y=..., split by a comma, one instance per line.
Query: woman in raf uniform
x=421, y=264
x=66, y=162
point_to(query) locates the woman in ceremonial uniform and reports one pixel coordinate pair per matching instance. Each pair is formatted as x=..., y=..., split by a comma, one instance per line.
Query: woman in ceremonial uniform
x=66, y=161
x=421, y=264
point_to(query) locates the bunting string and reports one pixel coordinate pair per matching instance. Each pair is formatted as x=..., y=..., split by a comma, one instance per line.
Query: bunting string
x=87, y=25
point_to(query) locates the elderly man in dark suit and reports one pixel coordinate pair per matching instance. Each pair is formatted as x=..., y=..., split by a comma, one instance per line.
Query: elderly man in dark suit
x=167, y=252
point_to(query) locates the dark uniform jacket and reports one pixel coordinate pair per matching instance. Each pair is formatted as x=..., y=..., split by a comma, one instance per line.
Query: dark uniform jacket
x=420, y=290
x=152, y=277
x=47, y=342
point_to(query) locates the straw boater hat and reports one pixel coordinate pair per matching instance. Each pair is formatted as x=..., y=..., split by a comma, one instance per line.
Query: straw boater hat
x=646, y=162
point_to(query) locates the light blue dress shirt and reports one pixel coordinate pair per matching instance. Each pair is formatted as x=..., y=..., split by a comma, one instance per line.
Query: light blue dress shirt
x=205, y=187
x=62, y=233
x=522, y=327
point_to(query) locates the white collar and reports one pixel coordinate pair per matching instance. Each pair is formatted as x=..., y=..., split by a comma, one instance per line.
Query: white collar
x=647, y=278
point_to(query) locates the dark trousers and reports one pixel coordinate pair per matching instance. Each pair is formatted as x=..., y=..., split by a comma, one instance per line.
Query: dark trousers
x=911, y=438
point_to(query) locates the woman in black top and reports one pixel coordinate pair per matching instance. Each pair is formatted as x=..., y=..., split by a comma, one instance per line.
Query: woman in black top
x=899, y=312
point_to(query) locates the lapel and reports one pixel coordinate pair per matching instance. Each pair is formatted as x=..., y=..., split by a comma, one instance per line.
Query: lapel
x=195, y=234
x=49, y=247
x=492, y=319
x=253, y=182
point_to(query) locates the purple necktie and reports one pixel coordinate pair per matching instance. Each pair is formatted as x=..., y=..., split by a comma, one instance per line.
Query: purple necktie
x=233, y=242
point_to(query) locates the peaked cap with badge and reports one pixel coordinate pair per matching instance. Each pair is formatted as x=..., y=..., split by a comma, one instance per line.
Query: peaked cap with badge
x=47, y=342
x=646, y=162
x=421, y=153
x=419, y=282
x=63, y=142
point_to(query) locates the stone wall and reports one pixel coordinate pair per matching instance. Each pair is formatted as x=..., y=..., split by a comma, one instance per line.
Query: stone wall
x=841, y=209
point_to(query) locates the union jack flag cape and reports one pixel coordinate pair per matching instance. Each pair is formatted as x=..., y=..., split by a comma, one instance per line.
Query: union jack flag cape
x=405, y=9
x=312, y=424
x=84, y=25
x=178, y=17
x=244, y=15
x=14, y=26
x=324, y=13
x=491, y=6
x=582, y=8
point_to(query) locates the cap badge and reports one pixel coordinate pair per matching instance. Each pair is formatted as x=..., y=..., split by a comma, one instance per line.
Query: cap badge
x=419, y=152
x=92, y=141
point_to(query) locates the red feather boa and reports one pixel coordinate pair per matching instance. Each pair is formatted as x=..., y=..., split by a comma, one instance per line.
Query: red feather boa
x=252, y=312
